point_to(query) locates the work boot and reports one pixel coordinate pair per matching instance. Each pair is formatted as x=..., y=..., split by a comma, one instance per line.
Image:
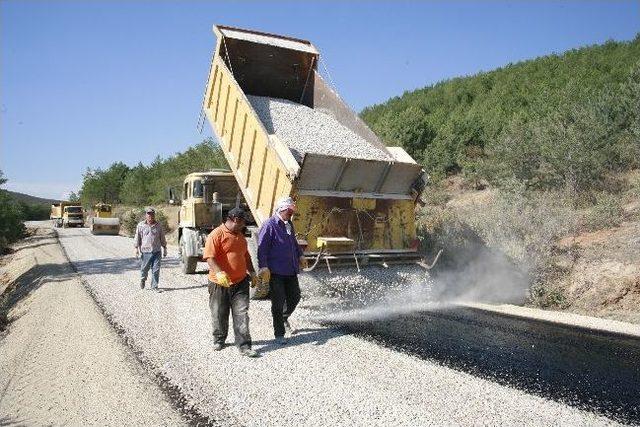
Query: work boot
x=248, y=352
x=142, y=283
x=218, y=346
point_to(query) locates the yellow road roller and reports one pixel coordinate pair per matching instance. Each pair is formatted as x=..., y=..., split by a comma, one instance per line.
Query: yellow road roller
x=103, y=222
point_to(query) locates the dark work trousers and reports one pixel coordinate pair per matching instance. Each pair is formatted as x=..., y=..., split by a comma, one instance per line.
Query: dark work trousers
x=283, y=289
x=234, y=298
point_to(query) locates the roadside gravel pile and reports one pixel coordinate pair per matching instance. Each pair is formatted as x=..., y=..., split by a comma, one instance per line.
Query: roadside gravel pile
x=306, y=130
x=323, y=376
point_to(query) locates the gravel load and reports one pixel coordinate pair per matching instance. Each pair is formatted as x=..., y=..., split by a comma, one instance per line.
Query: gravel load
x=322, y=376
x=307, y=130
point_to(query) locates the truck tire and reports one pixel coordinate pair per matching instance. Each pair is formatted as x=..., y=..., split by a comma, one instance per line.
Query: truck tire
x=188, y=264
x=261, y=291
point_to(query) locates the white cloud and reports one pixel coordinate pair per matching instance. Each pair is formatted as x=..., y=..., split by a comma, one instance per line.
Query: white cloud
x=47, y=190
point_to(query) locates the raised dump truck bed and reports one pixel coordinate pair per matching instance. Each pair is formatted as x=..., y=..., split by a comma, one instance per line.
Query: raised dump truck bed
x=284, y=132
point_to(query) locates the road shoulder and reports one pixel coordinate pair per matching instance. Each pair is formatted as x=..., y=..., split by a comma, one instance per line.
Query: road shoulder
x=60, y=361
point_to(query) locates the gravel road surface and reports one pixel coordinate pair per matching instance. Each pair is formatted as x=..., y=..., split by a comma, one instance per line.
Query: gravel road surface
x=323, y=376
x=61, y=363
x=586, y=368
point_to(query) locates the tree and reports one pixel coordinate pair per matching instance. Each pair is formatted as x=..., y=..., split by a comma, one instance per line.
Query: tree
x=11, y=227
x=506, y=121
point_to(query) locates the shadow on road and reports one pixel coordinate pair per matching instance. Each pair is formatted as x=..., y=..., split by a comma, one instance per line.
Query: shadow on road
x=591, y=370
x=115, y=265
x=28, y=282
x=315, y=336
x=183, y=288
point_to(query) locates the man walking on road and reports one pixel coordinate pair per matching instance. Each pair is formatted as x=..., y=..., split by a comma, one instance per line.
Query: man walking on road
x=229, y=263
x=148, y=241
x=280, y=259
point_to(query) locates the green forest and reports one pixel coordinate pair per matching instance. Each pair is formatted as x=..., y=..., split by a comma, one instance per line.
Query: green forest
x=141, y=185
x=559, y=121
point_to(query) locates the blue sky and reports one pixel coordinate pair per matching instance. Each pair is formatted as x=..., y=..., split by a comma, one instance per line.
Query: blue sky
x=89, y=83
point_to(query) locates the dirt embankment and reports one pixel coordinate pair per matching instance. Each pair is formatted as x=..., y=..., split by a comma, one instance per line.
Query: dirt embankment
x=593, y=270
x=60, y=361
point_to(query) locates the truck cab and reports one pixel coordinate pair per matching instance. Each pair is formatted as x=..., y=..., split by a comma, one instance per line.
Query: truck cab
x=73, y=216
x=67, y=214
x=207, y=197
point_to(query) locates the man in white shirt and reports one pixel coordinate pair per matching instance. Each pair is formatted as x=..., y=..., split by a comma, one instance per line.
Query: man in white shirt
x=149, y=239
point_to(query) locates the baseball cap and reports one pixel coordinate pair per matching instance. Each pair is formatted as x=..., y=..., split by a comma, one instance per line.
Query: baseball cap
x=149, y=210
x=237, y=213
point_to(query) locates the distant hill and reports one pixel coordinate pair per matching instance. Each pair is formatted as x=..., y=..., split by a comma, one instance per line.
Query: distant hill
x=522, y=119
x=32, y=200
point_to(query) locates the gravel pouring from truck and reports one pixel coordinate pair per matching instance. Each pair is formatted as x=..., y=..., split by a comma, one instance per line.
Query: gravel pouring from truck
x=285, y=132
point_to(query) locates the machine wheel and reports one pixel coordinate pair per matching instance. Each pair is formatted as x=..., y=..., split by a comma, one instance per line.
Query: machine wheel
x=188, y=264
x=262, y=290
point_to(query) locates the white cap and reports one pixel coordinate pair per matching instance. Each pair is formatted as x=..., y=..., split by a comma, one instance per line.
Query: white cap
x=284, y=204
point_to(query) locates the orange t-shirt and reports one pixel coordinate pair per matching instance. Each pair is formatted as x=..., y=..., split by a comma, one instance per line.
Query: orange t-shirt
x=229, y=251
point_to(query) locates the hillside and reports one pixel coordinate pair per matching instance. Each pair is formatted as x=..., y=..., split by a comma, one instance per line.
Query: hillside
x=31, y=200
x=535, y=174
x=487, y=125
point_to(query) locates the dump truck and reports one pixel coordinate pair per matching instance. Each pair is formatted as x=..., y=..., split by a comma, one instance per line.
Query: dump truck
x=285, y=132
x=67, y=214
x=103, y=221
x=206, y=199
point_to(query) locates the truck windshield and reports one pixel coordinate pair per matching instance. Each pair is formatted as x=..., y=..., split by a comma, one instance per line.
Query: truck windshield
x=197, y=189
x=73, y=209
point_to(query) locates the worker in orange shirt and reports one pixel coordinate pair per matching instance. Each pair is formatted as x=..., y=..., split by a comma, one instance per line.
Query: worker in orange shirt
x=230, y=272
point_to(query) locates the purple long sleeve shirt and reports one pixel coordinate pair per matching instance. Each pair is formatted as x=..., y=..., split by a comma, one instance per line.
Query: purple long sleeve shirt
x=278, y=250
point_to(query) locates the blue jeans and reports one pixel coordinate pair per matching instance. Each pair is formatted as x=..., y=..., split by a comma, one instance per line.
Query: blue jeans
x=151, y=260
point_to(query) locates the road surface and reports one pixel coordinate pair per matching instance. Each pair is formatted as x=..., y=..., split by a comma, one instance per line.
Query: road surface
x=455, y=368
x=61, y=363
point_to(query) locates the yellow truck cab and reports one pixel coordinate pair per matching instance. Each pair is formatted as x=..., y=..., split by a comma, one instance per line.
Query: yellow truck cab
x=65, y=214
x=206, y=199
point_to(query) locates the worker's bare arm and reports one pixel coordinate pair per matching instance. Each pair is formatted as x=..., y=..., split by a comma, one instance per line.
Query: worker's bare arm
x=213, y=266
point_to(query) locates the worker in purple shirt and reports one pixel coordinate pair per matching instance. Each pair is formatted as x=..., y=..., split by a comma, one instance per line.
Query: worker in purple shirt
x=280, y=259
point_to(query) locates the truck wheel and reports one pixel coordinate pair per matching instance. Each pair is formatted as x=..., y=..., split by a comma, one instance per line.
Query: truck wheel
x=262, y=290
x=188, y=264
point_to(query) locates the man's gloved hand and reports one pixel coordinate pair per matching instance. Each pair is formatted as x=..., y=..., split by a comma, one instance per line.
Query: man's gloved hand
x=264, y=274
x=255, y=281
x=222, y=279
x=164, y=252
x=303, y=262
